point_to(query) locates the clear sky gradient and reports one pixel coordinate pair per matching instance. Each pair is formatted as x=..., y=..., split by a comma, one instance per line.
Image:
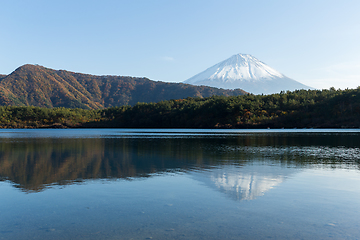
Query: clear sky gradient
x=316, y=42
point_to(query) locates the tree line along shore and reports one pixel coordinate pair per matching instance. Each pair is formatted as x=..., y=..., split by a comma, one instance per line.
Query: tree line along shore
x=329, y=108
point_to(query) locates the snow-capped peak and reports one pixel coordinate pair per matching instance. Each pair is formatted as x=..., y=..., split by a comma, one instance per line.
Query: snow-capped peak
x=248, y=73
x=238, y=67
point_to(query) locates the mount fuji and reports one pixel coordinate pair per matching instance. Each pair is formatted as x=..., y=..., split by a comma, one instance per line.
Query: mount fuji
x=248, y=73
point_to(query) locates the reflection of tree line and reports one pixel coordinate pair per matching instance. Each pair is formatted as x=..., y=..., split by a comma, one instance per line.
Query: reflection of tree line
x=33, y=163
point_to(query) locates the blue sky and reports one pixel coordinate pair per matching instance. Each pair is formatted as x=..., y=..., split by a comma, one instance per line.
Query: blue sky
x=315, y=42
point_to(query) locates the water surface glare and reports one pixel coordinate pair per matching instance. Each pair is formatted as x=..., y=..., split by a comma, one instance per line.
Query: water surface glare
x=179, y=184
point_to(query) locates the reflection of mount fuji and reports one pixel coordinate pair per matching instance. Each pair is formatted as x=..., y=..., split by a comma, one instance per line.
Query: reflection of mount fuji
x=246, y=182
x=237, y=165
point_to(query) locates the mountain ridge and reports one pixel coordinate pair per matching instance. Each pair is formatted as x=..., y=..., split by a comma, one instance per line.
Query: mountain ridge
x=246, y=72
x=34, y=85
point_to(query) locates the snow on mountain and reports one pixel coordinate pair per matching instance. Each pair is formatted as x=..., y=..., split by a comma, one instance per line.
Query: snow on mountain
x=248, y=73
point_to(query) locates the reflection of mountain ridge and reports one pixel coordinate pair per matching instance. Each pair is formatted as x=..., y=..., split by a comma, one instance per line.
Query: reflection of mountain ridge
x=34, y=163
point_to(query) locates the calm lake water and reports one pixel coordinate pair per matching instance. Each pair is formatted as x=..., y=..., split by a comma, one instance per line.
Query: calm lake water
x=179, y=184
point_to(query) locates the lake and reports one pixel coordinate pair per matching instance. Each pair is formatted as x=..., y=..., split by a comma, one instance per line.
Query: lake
x=179, y=184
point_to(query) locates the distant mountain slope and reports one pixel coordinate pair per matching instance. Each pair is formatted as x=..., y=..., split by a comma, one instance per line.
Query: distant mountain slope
x=248, y=73
x=33, y=85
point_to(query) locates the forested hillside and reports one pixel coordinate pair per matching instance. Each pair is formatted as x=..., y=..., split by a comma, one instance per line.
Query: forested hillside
x=299, y=109
x=33, y=85
x=312, y=108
